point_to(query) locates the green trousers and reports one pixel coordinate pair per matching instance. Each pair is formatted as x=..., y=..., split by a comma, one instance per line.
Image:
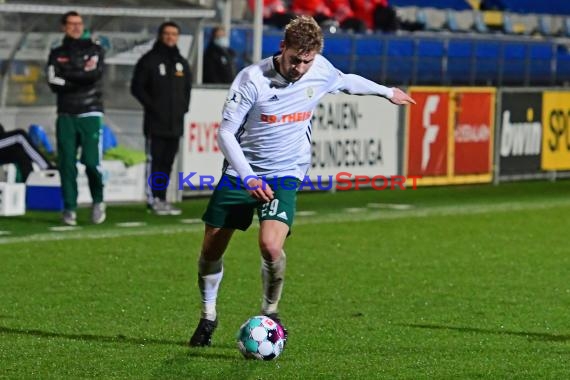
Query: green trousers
x=73, y=132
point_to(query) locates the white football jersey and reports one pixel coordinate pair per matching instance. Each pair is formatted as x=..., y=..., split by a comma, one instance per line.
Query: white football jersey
x=275, y=115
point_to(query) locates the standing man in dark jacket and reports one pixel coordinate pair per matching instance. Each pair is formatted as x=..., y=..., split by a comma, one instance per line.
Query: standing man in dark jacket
x=219, y=66
x=161, y=83
x=75, y=74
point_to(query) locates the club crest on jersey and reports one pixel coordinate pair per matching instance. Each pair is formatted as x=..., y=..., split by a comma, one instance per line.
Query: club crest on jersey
x=179, y=70
x=310, y=92
x=233, y=100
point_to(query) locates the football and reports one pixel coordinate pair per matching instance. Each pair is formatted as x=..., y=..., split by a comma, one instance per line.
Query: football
x=260, y=338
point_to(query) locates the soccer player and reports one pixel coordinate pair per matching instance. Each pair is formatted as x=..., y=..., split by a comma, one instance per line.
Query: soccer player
x=266, y=133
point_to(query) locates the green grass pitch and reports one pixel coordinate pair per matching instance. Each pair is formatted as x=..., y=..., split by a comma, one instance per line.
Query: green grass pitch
x=461, y=282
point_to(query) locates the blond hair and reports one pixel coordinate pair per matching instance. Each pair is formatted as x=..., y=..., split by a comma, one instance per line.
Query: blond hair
x=304, y=34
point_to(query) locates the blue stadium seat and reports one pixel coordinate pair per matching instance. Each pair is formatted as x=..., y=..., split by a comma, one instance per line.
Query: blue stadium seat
x=508, y=27
x=451, y=21
x=241, y=43
x=514, y=62
x=270, y=43
x=544, y=26
x=429, y=69
x=487, y=55
x=421, y=18
x=441, y=4
x=540, y=64
x=368, y=59
x=562, y=65
x=480, y=26
x=338, y=50
x=420, y=59
x=400, y=61
x=459, y=61
x=558, y=7
x=566, y=27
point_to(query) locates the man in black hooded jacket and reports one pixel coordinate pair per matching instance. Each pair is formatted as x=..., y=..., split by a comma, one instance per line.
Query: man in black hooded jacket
x=162, y=83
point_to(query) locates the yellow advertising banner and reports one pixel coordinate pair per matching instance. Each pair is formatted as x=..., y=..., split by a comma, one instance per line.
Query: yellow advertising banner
x=555, y=130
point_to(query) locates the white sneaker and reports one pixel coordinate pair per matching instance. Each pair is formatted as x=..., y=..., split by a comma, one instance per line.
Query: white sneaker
x=159, y=207
x=69, y=217
x=172, y=210
x=98, y=213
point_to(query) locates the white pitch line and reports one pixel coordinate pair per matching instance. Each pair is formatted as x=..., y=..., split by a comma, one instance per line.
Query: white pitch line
x=391, y=206
x=102, y=234
x=4, y=233
x=305, y=213
x=332, y=218
x=64, y=228
x=131, y=224
x=355, y=209
x=191, y=221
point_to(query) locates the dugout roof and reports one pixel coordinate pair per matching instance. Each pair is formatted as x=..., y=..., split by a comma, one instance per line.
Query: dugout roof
x=137, y=8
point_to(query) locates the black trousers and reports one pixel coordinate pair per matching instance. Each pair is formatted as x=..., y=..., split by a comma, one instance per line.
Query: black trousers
x=17, y=148
x=160, y=154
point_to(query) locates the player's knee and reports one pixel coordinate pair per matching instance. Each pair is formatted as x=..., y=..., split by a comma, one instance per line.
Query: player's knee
x=270, y=249
x=215, y=243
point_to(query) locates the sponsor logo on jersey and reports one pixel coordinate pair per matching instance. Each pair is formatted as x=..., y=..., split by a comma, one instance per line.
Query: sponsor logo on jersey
x=288, y=118
x=233, y=100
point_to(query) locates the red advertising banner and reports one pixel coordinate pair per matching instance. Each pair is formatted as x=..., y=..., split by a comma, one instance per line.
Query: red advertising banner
x=427, y=137
x=473, y=132
x=449, y=135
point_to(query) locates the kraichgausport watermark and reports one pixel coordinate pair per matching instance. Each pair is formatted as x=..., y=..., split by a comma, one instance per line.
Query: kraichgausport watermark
x=341, y=181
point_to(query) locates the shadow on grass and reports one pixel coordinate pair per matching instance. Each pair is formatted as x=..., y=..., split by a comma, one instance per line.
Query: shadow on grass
x=524, y=334
x=89, y=337
x=209, y=352
x=207, y=363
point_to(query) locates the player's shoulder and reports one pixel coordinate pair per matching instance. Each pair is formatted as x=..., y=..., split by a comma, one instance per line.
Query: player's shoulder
x=254, y=76
x=257, y=72
x=322, y=63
